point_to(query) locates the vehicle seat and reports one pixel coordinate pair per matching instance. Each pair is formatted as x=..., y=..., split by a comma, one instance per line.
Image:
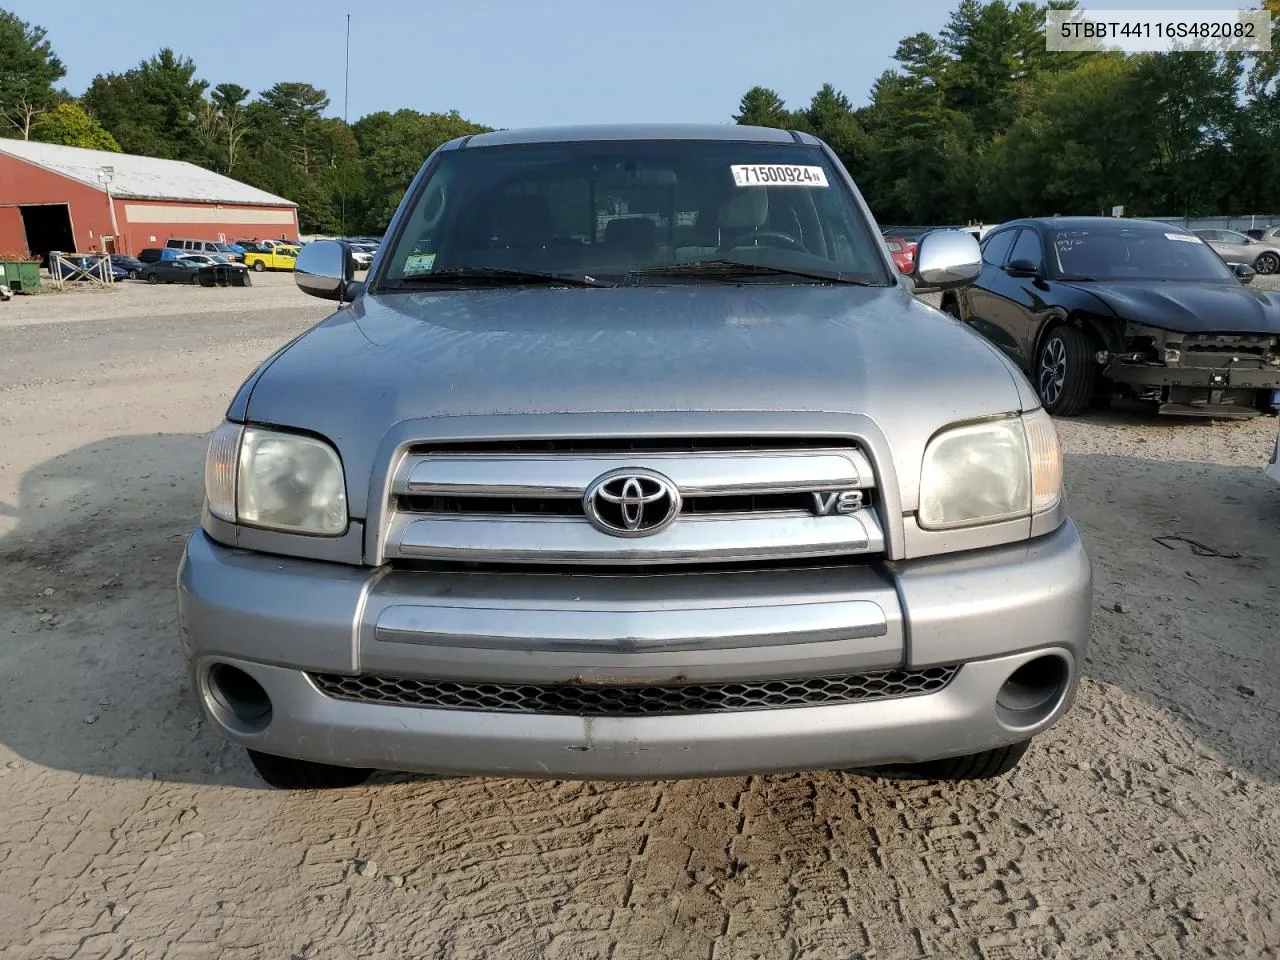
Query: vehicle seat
x=631, y=238
x=744, y=213
x=703, y=238
x=523, y=222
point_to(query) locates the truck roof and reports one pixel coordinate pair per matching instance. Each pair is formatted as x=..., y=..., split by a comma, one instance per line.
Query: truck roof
x=634, y=131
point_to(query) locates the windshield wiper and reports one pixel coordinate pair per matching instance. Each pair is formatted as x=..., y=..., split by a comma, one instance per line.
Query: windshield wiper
x=483, y=276
x=736, y=269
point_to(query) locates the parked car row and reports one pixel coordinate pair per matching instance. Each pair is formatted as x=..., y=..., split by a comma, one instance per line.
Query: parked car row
x=173, y=262
x=1094, y=308
x=1263, y=254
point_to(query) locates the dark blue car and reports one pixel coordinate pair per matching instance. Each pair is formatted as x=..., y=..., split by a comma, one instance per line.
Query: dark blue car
x=59, y=270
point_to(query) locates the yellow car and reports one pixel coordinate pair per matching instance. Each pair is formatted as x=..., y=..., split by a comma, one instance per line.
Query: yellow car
x=277, y=258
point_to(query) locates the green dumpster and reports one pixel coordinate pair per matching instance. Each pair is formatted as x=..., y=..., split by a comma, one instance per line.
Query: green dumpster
x=20, y=276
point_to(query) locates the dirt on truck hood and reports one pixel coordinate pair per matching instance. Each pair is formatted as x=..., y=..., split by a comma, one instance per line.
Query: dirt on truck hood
x=787, y=348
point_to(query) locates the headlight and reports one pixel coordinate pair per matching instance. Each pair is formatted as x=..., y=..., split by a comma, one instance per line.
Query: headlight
x=987, y=472
x=280, y=481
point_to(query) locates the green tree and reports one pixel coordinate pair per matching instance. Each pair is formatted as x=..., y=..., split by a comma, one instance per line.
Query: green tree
x=830, y=117
x=28, y=71
x=70, y=126
x=298, y=108
x=994, y=49
x=393, y=147
x=1084, y=147
x=1193, y=103
x=923, y=164
x=153, y=109
x=761, y=107
x=230, y=122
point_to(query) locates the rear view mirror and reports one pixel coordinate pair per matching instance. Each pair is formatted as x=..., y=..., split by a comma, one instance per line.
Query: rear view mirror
x=1245, y=272
x=633, y=176
x=946, y=259
x=1021, y=268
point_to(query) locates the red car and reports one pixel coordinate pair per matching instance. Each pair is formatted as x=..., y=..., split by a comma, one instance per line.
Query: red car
x=903, y=251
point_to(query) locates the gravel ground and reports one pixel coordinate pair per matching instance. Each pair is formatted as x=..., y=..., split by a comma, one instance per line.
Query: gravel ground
x=1145, y=824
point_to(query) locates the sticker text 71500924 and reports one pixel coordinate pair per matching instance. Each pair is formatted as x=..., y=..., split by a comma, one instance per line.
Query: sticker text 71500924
x=777, y=175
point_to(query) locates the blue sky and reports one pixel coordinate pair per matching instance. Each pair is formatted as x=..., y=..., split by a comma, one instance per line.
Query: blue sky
x=510, y=63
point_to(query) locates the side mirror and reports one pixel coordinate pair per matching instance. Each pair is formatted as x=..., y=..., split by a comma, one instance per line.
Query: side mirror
x=324, y=269
x=1245, y=272
x=945, y=260
x=1021, y=268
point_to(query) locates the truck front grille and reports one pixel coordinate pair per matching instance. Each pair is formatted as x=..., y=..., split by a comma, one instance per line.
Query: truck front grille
x=739, y=502
x=598, y=700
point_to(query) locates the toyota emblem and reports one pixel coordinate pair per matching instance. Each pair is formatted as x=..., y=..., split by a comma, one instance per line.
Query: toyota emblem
x=631, y=502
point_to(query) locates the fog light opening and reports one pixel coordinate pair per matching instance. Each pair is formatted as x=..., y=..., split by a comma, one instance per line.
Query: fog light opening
x=237, y=700
x=1033, y=691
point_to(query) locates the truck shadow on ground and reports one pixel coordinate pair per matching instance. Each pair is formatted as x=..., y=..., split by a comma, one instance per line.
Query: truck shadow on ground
x=93, y=679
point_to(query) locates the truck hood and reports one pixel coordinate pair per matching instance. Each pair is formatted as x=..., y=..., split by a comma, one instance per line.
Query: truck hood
x=1189, y=307
x=635, y=350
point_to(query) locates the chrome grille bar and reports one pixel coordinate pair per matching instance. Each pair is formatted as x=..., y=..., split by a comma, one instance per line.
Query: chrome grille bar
x=708, y=537
x=539, y=475
x=440, y=506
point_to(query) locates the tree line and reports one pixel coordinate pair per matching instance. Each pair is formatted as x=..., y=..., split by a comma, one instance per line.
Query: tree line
x=975, y=122
x=980, y=122
x=280, y=140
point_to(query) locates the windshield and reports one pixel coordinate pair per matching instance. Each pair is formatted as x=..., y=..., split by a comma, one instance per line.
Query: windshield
x=1128, y=254
x=604, y=210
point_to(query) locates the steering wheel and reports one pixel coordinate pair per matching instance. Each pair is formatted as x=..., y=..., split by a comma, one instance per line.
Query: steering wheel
x=771, y=238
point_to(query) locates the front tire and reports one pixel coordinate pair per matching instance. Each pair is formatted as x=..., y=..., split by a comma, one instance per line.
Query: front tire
x=152, y=278
x=986, y=765
x=952, y=308
x=286, y=773
x=1267, y=263
x=1065, y=371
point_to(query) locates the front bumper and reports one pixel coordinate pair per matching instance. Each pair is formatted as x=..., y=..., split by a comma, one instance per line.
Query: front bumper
x=280, y=619
x=1255, y=376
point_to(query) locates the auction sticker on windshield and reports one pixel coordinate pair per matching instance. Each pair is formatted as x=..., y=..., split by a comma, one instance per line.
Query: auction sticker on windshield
x=418, y=263
x=777, y=175
x=1184, y=237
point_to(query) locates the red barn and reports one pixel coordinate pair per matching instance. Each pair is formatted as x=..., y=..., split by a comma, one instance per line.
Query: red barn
x=79, y=201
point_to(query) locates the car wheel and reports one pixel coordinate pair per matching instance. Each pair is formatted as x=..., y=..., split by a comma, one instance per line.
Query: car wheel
x=952, y=308
x=972, y=766
x=285, y=773
x=1267, y=263
x=152, y=278
x=1064, y=371
x=259, y=266
x=133, y=274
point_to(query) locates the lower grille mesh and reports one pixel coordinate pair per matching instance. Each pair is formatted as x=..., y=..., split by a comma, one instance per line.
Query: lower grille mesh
x=630, y=701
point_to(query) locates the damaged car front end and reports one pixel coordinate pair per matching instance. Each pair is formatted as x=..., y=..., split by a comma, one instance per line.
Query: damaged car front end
x=1102, y=307
x=1186, y=373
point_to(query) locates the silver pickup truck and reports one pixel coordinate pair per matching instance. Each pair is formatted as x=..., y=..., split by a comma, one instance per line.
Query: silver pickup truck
x=634, y=456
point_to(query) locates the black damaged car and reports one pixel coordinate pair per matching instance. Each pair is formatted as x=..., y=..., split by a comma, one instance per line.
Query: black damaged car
x=1096, y=307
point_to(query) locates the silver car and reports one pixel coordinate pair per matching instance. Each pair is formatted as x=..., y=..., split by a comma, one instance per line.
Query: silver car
x=634, y=457
x=1234, y=247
